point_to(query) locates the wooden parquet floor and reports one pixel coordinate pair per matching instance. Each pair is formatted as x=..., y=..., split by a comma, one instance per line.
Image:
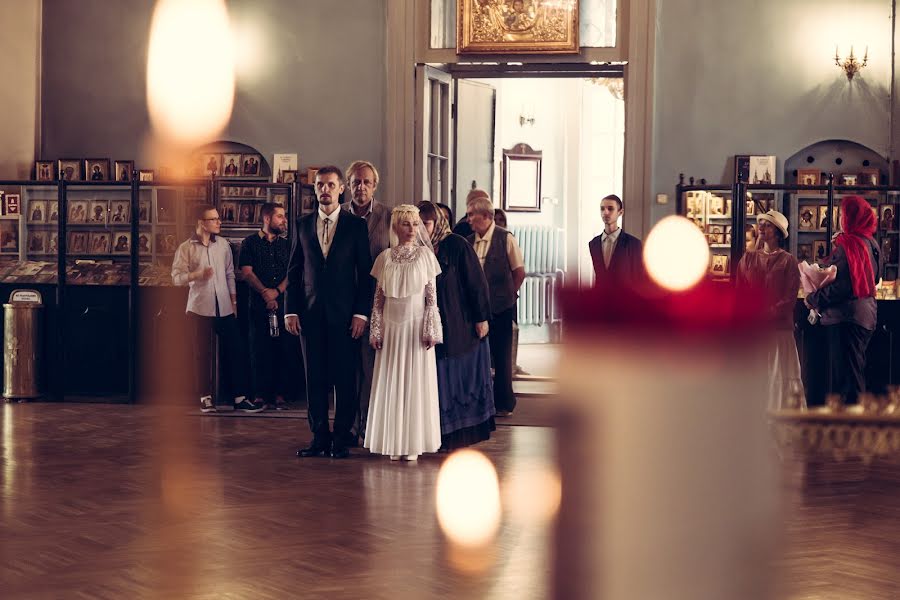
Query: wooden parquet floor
x=114, y=502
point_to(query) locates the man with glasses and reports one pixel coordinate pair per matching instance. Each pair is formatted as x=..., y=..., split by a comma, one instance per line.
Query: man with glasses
x=205, y=264
x=362, y=178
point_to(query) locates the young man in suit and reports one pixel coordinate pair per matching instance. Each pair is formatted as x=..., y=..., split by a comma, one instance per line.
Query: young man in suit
x=362, y=179
x=329, y=298
x=617, y=256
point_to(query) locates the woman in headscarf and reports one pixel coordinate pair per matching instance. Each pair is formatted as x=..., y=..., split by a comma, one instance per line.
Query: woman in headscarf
x=847, y=305
x=773, y=271
x=464, y=360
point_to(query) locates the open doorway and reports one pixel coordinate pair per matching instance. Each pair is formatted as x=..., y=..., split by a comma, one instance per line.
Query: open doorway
x=576, y=125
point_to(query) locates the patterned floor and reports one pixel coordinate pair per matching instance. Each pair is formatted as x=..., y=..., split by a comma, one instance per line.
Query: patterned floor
x=101, y=501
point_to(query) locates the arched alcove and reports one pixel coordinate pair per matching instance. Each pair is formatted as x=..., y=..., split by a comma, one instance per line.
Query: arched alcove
x=228, y=147
x=836, y=157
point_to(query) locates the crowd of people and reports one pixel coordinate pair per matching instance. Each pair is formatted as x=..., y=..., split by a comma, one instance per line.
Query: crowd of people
x=406, y=324
x=407, y=321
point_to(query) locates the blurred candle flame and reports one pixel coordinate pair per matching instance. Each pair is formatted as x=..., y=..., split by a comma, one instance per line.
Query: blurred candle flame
x=190, y=70
x=676, y=254
x=468, y=499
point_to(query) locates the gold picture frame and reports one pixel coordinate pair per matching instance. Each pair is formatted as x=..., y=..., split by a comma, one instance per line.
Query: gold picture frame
x=517, y=27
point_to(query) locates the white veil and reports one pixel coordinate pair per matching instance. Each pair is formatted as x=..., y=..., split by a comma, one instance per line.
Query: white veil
x=422, y=237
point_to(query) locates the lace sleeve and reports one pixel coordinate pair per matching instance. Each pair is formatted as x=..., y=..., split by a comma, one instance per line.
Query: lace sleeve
x=432, y=330
x=376, y=325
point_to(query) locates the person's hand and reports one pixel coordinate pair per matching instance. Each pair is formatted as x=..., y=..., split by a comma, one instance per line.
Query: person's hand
x=807, y=304
x=375, y=343
x=272, y=305
x=357, y=327
x=428, y=342
x=481, y=329
x=234, y=306
x=202, y=274
x=270, y=294
x=292, y=324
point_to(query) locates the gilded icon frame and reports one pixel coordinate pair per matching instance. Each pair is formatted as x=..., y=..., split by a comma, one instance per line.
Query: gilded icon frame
x=517, y=27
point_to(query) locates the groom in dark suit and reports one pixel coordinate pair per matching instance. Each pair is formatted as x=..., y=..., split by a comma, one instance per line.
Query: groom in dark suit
x=617, y=256
x=329, y=298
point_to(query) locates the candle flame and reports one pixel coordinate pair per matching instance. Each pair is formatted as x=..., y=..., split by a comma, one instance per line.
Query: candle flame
x=676, y=254
x=190, y=70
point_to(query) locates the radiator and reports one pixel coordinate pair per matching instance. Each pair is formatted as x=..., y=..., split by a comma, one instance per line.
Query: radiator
x=542, y=252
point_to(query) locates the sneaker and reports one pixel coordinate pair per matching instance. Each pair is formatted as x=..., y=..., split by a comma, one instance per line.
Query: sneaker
x=207, y=405
x=504, y=413
x=247, y=406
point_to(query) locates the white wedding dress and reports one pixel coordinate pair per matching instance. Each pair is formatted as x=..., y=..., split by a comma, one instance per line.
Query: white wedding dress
x=404, y=410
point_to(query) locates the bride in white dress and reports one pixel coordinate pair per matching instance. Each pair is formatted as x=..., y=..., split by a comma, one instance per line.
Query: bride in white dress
x=404, y=412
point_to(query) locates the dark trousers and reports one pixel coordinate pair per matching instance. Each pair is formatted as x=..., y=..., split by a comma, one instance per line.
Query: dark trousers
x=847, y=343
x=232, y=369
x=330, y=353
x=366, y=366
x=273, y=361
x=500, y=338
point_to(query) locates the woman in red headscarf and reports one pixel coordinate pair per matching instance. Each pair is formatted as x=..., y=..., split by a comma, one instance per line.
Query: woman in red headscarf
x=848, y=305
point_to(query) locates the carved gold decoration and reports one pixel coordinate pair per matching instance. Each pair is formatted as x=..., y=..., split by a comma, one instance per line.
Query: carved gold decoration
x=517, y=26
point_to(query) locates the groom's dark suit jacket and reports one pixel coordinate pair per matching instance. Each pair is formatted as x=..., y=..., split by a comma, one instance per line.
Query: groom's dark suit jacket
x=336, y=288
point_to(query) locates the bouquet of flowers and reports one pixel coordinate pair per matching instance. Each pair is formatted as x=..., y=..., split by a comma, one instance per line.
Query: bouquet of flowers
x=812, y=278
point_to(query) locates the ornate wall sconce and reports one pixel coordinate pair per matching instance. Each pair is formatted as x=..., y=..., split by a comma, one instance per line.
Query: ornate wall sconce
x=851, y=65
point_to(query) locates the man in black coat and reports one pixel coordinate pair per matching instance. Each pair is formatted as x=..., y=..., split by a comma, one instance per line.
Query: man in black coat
x=617, y=256
x=329, y=298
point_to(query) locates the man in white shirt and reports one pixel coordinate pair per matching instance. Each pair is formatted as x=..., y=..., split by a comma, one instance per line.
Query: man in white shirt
x=328, y=300
x=617, y=256
x=504, y=269
x=206, y=265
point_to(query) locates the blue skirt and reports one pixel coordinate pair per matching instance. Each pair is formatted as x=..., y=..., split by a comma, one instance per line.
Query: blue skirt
x=466, y=394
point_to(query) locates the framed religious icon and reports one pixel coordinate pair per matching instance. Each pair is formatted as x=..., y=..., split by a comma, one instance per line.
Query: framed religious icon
x=145, y=175
x=69, y=169
x=98, y=242
x=53, y=211
x=78, y=211
x=37, y=242
x=720, y=264
x=247, y=212
x=289, y=176
x=96, y=169
x=44, y=170
x=229, y=212
x=123, y=170
x=78, y=242
x=849, y=179
x=870, y=177
x=120, y=212
x=231, y=165
x=887, y=220
x=516, y=27
x=212, y=165
x=818, y=250
x=37, y=212
x=250, y=164
x=806, y=217
x=808, y=176
x=97, y=212
x=804, y=253
x=521, y=189
x=121, y=242
x=144, y=243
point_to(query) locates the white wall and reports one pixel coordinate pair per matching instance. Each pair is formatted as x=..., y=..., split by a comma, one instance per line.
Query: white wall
x=19, y=74
x=759, y=78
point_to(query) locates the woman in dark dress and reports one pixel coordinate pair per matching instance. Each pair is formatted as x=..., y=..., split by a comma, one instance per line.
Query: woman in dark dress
x=847, y=305
x=464, y=359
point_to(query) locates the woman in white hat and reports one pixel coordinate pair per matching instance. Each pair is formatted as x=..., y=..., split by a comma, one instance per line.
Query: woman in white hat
x=771, y=268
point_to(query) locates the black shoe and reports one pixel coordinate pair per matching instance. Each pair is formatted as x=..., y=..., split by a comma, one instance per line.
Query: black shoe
x=340, y=452
x=248, y=407
x=314, y=449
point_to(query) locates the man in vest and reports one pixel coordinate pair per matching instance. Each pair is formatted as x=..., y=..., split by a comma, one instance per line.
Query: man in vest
x=504, y=269
x=617, y=256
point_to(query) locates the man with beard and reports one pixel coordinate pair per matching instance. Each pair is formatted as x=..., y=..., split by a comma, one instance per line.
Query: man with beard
x=362, y=178
x=328, y=302
x=263, y=262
